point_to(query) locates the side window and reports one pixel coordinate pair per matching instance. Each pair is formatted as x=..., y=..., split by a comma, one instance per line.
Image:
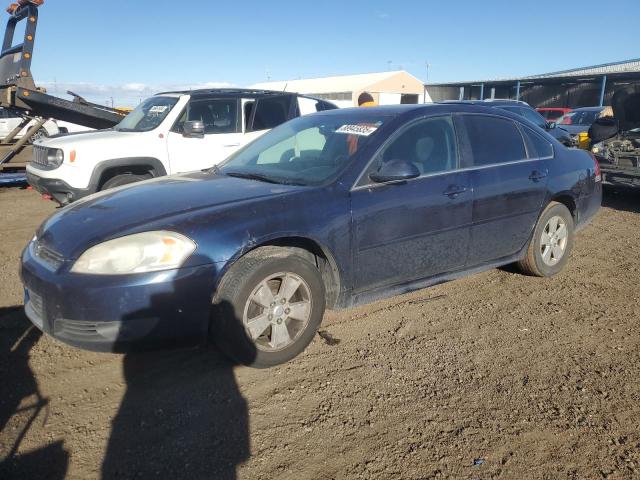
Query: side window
x=537, y=146
x=218, y=115
x=493, y=140
x=271, y=112
x=534, y=117
x=429, y=144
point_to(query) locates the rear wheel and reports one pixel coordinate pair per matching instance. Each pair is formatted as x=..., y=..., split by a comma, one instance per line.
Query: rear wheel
x=268, y=307
x=124, y=179
x=551, y=244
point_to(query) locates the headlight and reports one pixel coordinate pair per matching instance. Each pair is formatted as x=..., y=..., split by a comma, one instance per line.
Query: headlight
x=55, y=157
x=141, y=252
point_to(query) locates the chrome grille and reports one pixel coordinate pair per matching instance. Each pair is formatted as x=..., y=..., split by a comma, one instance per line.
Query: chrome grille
x=47, y=255
x=40, y=157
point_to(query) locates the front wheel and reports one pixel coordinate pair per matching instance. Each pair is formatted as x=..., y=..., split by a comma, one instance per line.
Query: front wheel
x=124, y=179
x=551, y=243
x=268, y=307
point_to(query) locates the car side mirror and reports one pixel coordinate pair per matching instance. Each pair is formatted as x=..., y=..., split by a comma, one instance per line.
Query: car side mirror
x=551, y=125
x=193, y=129
x=394, y=171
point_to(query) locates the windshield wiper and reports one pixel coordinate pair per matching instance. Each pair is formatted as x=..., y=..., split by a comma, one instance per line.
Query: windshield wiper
x=253, y=176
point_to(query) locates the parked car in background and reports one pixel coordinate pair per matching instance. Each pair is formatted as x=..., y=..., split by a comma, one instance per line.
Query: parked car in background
x=168, y=133
x=579, y=120
x=619, y=154
x=326, y=211
x=9, y=120
x=525, y=110
x=552, y=114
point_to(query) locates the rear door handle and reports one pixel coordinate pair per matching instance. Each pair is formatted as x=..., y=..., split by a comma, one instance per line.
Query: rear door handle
x=454, y=190
x=232, y=145
x=537, y=175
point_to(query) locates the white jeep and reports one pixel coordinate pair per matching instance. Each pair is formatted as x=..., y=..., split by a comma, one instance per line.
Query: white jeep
x=168, y=133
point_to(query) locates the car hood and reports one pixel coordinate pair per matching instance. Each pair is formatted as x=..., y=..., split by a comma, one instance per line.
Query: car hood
x=626, y=107
x=78, y=138
x=161, y=203
x=574, y=129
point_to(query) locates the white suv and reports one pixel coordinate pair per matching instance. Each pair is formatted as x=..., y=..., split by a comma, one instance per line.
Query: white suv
x=168, y=133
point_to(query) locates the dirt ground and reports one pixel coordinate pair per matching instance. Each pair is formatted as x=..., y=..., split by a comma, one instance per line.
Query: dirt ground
x=494, y=376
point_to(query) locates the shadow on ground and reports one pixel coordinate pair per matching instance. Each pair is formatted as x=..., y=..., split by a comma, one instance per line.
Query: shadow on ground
x=22, y=404
x=627, y=200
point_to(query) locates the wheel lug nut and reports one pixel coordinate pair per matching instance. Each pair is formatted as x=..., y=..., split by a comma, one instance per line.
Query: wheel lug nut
x=287, y=311
x=270, y=317
x=273, y=304
x=283, y=301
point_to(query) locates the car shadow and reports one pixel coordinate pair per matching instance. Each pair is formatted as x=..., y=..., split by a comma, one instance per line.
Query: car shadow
x=624, y=199
x=182, y=415
x=21, y=404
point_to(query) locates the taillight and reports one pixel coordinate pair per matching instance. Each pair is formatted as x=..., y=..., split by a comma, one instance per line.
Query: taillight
x=596, y=168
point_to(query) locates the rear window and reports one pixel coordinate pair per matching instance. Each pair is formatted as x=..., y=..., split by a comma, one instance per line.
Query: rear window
x=493, y=140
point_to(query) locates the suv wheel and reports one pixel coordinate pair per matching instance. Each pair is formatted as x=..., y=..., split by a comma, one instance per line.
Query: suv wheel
x=124, y=179
x=551, y=244
x=268, y=307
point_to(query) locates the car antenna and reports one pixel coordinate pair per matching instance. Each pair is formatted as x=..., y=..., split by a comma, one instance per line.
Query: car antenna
x=285, y=87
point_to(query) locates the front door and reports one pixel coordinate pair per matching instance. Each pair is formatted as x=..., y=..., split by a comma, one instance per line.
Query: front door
x=419, y=228
x=222, y=136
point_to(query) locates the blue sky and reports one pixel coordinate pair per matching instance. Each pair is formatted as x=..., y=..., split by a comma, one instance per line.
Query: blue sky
x=130, y=49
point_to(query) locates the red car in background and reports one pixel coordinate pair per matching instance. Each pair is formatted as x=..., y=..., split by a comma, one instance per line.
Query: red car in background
x=551, y=114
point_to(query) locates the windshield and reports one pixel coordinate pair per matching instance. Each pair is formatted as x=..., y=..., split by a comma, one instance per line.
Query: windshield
x=584, y=118
x=306, y=151
x=148, y=115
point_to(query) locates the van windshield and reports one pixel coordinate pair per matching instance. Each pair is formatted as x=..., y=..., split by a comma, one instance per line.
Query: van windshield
x=148, y=115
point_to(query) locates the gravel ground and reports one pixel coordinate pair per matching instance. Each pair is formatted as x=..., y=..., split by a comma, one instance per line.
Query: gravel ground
x=493, y=376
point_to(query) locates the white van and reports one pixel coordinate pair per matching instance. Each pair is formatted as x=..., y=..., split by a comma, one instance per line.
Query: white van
x=168, y=133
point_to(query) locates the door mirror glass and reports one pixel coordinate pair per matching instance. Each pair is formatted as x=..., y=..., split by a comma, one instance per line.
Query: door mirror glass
x=395, y=170
x=193, y=129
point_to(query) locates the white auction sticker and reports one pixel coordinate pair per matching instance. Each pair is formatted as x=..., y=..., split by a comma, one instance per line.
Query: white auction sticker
x=364, y=130
x=158, y=109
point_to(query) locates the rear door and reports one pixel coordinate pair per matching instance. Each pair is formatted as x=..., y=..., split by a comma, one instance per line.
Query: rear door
x=419, y=228
x=509, y=179
x=222, y=134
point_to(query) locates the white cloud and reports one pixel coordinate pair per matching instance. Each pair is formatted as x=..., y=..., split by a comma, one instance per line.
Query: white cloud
x=381, y=15
x=128, y=94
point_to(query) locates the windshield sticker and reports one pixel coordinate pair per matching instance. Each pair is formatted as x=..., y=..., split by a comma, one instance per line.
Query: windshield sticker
x=158, y=109
x=363, y=130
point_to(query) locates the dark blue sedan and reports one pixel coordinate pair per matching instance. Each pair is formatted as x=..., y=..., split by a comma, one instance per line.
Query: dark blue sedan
x=327, y=211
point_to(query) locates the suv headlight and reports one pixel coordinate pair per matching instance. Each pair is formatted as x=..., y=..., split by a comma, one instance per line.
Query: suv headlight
x=137, y=253
x=55, y=157
x=598, y=147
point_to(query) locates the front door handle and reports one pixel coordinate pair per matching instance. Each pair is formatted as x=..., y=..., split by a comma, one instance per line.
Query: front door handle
x=454, y=190
x=538, y=175
x=232, y=145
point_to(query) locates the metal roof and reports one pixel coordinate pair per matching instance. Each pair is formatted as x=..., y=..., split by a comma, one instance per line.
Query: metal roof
x=626, y=66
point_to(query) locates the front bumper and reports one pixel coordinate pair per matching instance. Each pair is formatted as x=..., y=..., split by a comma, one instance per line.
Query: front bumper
x=60, y=191
x=119, y=313
x=620, y=177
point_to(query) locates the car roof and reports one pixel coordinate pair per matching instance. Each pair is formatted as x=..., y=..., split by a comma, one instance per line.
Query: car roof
x=588, y=109
x=228, y=92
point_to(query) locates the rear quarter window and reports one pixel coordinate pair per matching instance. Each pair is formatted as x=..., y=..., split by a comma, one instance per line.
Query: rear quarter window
x=537, y=146
x=492, y=140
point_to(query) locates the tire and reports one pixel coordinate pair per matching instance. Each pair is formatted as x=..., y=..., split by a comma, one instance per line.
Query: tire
x=549, y=249
x=124, y=179
x=261, y=276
